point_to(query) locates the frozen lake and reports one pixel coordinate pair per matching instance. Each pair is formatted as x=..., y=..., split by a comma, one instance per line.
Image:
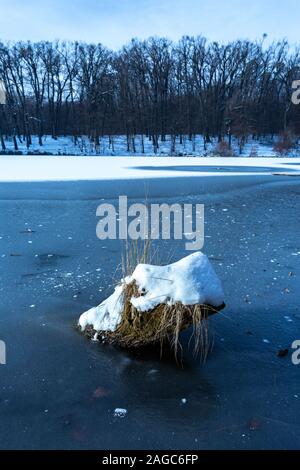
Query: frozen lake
x=58, y=390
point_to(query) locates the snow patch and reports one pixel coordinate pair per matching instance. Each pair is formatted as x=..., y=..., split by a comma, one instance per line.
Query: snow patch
x=51, y=168
x=120, y=412
x=191, y=280
x=107, y=315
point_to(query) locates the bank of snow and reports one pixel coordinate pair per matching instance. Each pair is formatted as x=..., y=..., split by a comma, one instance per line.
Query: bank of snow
x=190, y=281
x=118, y=145
x=47, y=168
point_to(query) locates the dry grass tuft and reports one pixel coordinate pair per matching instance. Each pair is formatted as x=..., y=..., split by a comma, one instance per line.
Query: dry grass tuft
x=160, y=326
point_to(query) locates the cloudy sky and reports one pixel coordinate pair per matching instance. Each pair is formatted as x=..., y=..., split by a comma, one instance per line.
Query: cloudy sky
x=115, y=22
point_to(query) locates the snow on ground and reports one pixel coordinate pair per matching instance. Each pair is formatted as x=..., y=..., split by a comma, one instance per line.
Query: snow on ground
x=117, y=145
x=191, y=280
x=107, y=315
x=50, y=168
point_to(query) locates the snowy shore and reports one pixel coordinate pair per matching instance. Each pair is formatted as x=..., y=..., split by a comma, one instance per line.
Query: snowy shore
x=117, y=145
x=50, y=168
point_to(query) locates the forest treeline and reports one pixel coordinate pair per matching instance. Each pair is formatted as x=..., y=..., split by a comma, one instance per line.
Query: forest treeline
x=152, y=88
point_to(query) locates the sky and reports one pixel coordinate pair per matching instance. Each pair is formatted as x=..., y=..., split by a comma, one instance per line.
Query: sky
x=115, y=22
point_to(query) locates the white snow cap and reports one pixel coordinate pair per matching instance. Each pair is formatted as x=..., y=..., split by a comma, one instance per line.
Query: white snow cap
x=107, y=315
x=191, y=280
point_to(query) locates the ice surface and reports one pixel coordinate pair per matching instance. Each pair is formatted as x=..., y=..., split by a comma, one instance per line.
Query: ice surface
x=51, y=367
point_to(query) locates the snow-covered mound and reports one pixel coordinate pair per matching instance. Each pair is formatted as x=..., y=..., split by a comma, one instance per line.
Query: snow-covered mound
x=107, y=315
x=191, y=280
